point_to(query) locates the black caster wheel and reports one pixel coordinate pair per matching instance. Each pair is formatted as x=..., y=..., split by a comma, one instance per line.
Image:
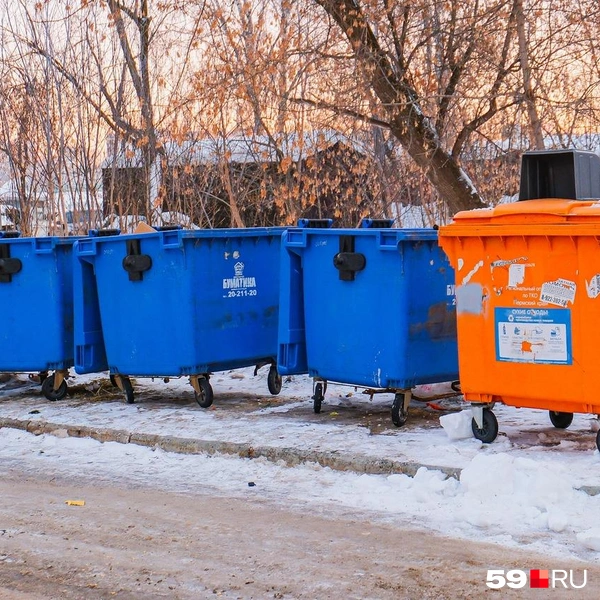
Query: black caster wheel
x=488, y=433
x=318, y=398
x=561, y=420
x=128, y=389
x=455, y=385
x=274, y=381
x=598, y=440
x=205, y=397
x=399, y=415
x=49, y=391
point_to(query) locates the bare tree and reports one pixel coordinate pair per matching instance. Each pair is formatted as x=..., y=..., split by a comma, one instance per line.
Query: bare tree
x=535, y=124
x=308, y=107
x=388, y=44
x=119, y=39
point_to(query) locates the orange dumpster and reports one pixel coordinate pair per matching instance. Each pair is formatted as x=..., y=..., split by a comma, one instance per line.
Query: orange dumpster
x=528, y=308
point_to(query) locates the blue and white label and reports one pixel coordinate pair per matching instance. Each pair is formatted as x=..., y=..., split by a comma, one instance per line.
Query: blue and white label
x=239, y=285
x=533, y=335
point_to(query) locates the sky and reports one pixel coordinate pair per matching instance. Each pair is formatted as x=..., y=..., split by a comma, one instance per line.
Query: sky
x=522, y=491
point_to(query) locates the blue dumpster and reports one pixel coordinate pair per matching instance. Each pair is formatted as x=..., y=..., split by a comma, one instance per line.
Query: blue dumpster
x=36, y=332
x=178, y=303
x=372, y=307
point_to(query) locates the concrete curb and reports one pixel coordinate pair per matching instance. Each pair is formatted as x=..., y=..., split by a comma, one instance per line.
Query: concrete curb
x=289, y=456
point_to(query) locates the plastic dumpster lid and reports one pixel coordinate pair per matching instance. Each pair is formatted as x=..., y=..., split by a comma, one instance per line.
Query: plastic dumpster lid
x=368, y=223
x=315, y=223
x=572, y=174
x=532, y=212
x=103, y=232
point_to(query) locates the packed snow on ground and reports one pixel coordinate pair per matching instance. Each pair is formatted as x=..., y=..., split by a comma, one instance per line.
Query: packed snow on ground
x=516, y=491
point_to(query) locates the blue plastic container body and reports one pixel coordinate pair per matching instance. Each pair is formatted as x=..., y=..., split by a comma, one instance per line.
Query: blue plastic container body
x=177, y=302
x=36, y=304
x=390, y=323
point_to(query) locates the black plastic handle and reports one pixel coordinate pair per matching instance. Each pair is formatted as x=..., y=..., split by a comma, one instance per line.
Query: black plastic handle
x=348, y=263
x=136, y=263
x=8, y=266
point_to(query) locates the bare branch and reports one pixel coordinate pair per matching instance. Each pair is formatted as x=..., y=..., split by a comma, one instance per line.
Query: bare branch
x=338, y=110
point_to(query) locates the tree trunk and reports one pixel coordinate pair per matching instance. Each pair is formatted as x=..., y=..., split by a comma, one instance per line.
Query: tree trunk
x=140, y=78
x=535, y=125
x=400, y=101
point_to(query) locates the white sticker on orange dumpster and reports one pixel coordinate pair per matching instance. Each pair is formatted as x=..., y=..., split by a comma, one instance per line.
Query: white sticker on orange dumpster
x=507, y=263
x=472, y=272
x=559, y=292
x=516, y=275
x=593, y=286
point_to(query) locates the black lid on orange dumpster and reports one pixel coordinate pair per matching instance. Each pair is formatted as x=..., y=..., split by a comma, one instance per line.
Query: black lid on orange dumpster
x=567, y=174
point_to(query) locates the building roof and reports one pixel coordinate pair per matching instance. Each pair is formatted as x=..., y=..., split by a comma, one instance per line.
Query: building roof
x=239, y=149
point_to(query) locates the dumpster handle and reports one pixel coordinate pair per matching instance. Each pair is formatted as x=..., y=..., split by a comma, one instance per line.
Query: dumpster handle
x=103, y=232
x=8, y=266
x=367, y=223
x=315, y=223
x=346, y=261
x=135, y=263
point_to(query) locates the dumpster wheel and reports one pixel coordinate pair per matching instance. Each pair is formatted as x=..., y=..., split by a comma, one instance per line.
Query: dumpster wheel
x=598, y=440
x=204, y=397
x=128, y=389
x=400, y=408
x=561, y=420
x=318, y=397
x=49, y=391
x=488, y=433
x=274, y=380
x=124, y=384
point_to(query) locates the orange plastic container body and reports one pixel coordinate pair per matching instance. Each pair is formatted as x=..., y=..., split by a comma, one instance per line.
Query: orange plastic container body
x=528, y=303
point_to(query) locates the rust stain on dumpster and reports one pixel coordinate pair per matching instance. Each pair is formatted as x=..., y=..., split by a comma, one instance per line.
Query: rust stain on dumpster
x=441, y=322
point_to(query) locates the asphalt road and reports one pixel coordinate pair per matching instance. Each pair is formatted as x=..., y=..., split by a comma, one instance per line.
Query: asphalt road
x=150, y=543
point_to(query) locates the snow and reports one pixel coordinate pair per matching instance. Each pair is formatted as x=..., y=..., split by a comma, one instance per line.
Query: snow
x=159, y=218
x=457, y=425
x=242, y=149
x=590, y=538
x=519, y=491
